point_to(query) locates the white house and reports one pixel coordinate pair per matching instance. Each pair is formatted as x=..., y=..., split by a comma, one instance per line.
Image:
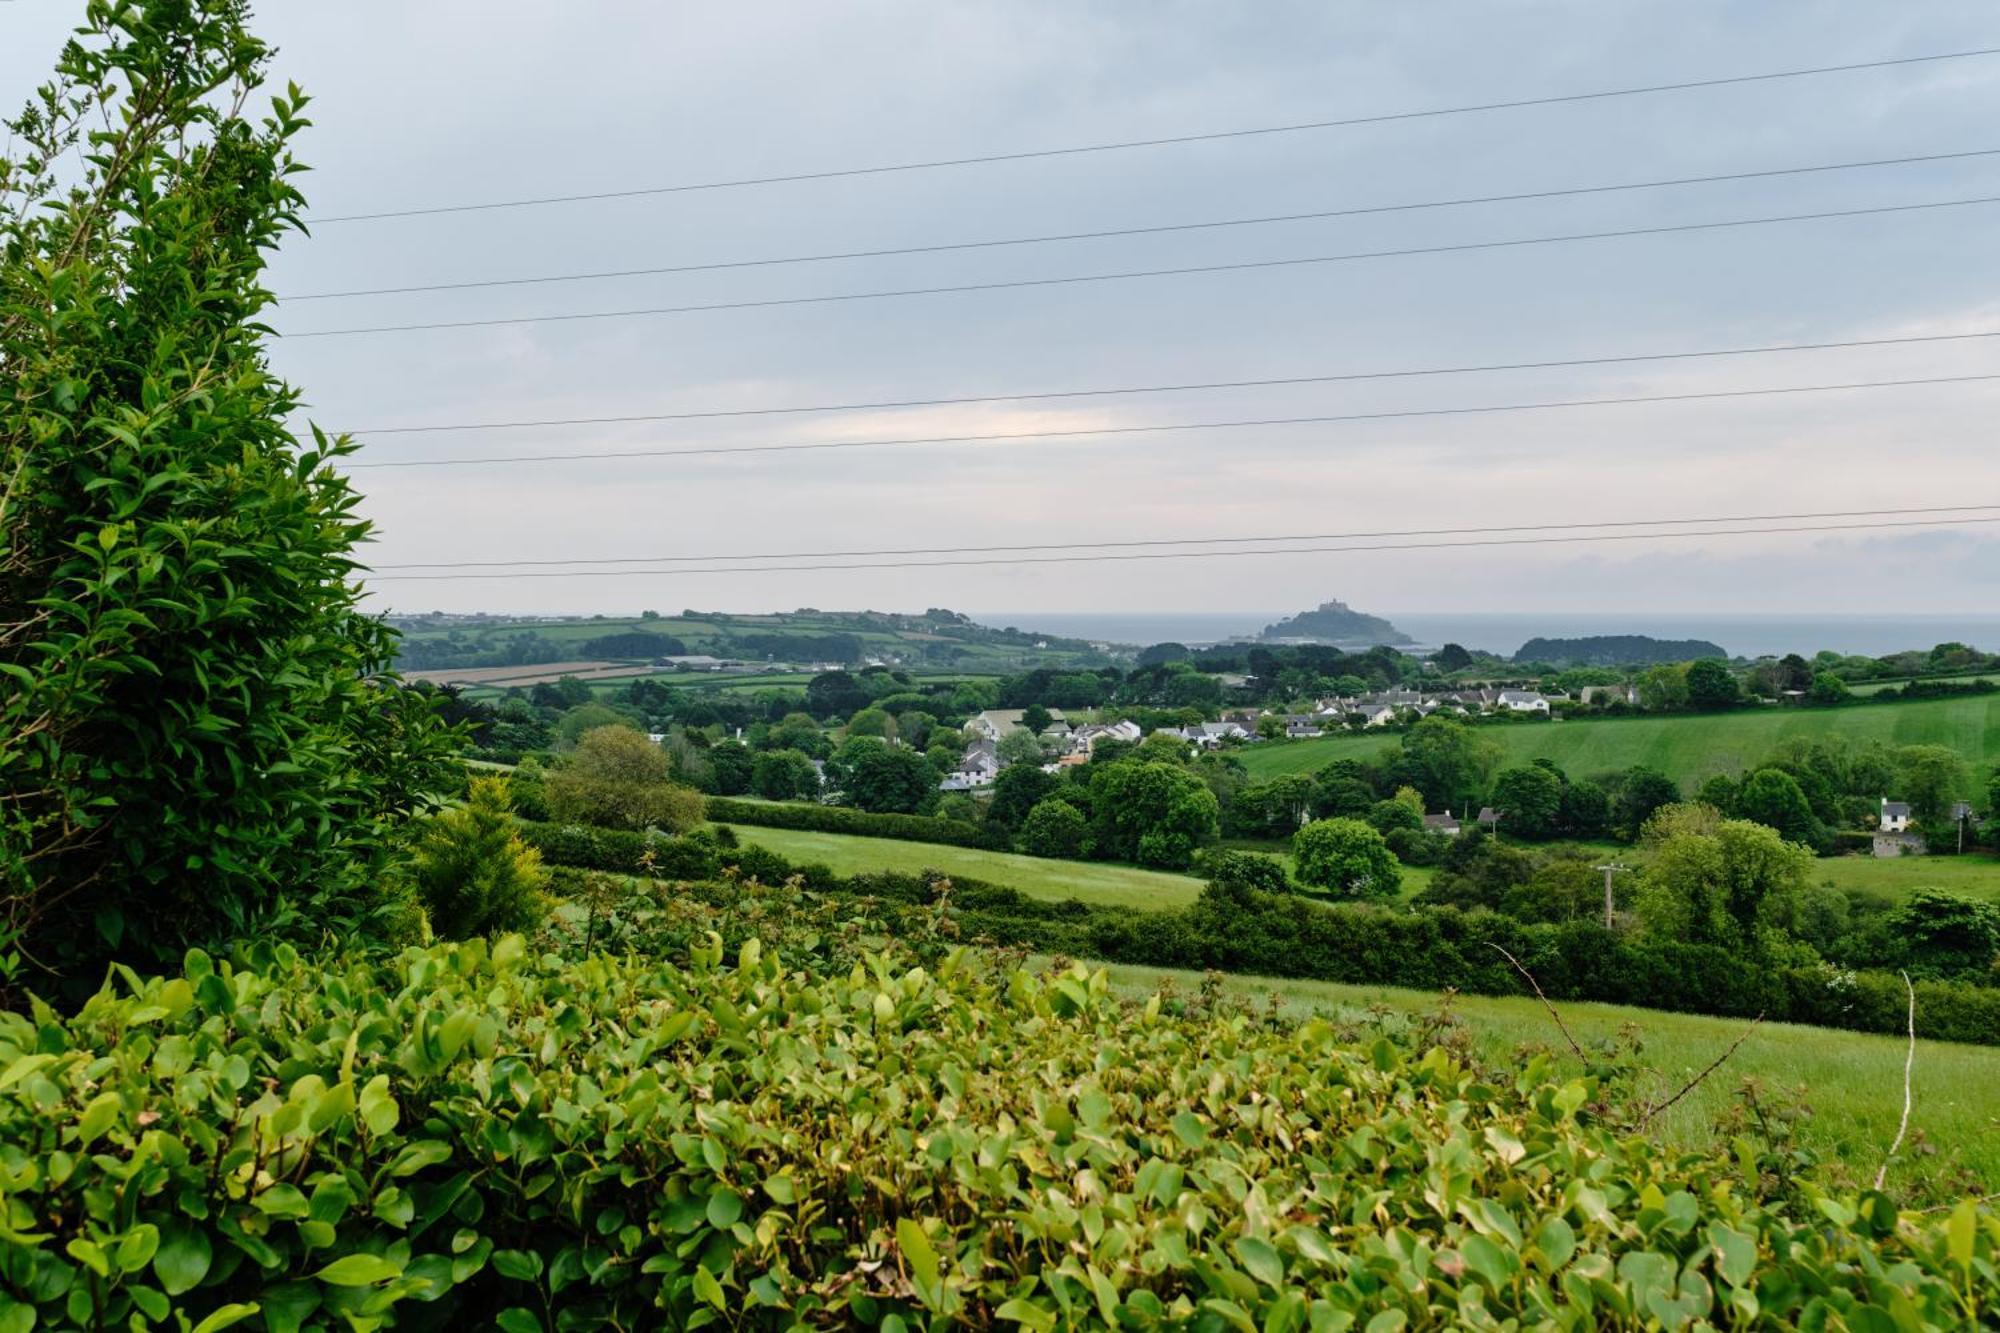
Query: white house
x=1375, y=714
x=1522, y=701
x=1895, y=816
x=1443, y=823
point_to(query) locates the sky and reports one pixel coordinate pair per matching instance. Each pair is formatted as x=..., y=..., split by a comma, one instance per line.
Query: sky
x=450, y=103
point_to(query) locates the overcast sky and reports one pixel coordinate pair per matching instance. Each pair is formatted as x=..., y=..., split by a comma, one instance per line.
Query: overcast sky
x=448, y=102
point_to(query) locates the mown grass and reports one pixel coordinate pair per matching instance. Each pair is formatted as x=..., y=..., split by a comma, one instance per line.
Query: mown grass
x=1851, y=1082
x=1093, y=882
x=1973, y=875
x=1687, y=749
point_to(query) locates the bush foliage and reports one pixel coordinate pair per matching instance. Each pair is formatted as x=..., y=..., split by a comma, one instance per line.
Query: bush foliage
x=478, y=1136
x=192, y=738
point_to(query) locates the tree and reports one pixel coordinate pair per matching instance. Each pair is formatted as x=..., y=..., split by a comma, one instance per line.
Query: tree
x=1385, y=817
x=1055, y=828
x=1036, y=719
x=1773, y=798
x=730, y=764
x=1794, y=673
x=1016, y=792
x=1933, y=778
x=1529, y=798
x=1446, y=761
x=1718, y=887
x=1827, y=690
x=1161, y=653
x=471, y=870
x=1021, y=747
x=886, y=779
x=1347, y=858
x=197, y=739
x=1586, y=810
x=619, y=779
x=835, y=694
x=1452, y=657
x=1946, y=935
x=1155, y=814
x=1711, y=685
x=796, y=731
x=1641, y=791
x=783, y=775
x=1663, y=688
x=589, y=717
x=872, y=722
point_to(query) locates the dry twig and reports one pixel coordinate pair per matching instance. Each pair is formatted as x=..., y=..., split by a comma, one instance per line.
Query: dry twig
x=1561, y=1026
x=1698, y=1079
x=1909, y=1063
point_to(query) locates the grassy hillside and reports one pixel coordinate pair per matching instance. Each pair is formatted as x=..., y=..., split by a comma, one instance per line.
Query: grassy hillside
x=1091, y=881
x=1686, y=748
x=1853, y=1082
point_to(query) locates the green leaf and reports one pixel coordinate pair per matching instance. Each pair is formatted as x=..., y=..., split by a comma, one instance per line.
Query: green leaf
x=923, y=1260
x=97, y=1117
x=781, y=1189
x=518, y=1265
x=708, y=1289
x=224, y=1317
x=1261, y=1261
x=183, y=1258
x=359, y=1270
x=1735, y=1254
x=725, y=1208
x=517, y=1320
x=1189, y=1129
x=1959, y=1233
x=1027, y=1314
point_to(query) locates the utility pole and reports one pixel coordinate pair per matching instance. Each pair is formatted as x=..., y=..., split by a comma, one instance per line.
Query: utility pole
x=1609, y=871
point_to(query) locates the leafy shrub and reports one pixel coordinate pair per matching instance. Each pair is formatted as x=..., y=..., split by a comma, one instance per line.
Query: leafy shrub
x=195, y=739
x=478, y=1136
x=1055, y=829
x=1345, y=857
x=471, y=869
x=618, y=778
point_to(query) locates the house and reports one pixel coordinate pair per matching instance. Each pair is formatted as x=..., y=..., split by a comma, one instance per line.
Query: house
x=1085, y=738
x=979, y=765
x=1961, y=811
x=997, y=722
x=1374, y=714
x=1489, y=819
x=1895, y=816
x=1522, y=701
x=691, y=662
x=1604, y=694
x=1443, y=823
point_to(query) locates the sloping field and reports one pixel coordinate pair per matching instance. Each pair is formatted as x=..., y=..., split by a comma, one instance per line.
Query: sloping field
x=1852, y=1081
x=1687, y=749
x=1092, y=882
x=529, y=674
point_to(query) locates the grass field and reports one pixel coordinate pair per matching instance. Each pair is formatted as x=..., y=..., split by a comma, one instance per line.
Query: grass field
x=1852, y=1082
x=1687, y=749
x=1092, y=882
x=1974, y=875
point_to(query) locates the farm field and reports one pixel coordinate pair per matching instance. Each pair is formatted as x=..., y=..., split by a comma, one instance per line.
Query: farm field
x=1093, y=882
x=1973, y=875
x=1853, y=1081
x=1097, y=883
x=1687, y=749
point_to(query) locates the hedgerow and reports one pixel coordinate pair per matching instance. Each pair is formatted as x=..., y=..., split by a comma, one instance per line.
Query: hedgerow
x=843, y=819
x=474, y=1136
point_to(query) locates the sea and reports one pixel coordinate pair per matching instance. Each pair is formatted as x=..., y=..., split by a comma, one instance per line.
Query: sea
x=1740, y=635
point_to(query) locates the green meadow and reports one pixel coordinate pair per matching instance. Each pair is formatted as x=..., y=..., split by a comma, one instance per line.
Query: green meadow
x=1851, y=1082
x=1687, y=749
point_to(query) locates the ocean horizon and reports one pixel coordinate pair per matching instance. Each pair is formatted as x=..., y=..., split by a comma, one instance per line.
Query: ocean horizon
x=1739, y=635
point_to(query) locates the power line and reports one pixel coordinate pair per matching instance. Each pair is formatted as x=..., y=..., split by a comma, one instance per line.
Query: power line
x=984, y=159
x=1284, y=381
x=1128, y=275
x=1193, y=541
x=1156, y=230
x=1400, y=414
x=1188, y=555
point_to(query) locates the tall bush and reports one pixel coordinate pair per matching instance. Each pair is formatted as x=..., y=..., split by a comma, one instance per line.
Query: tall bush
x=195, y=738
x=619, y=778
x=471, y=869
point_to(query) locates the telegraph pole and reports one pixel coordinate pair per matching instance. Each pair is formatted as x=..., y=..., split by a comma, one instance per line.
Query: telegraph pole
x=1609, y=870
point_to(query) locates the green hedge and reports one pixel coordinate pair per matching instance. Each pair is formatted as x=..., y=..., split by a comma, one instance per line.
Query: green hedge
x=462, y=1137
x=844, y=819
x=1238, y=929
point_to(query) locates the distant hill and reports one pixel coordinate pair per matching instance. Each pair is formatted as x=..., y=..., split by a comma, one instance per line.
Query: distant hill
x=1335, y=623
x=1616, y=650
